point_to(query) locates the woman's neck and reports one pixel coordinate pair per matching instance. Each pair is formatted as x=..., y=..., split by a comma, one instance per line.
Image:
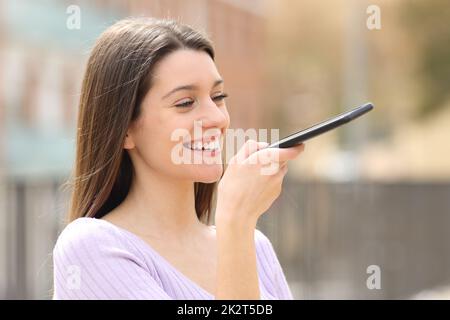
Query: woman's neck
x=159, y=207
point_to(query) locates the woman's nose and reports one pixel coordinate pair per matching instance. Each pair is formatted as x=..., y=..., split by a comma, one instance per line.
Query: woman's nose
x=214, y=115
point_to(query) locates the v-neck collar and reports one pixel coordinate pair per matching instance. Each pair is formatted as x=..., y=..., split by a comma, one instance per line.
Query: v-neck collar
x=158, y=255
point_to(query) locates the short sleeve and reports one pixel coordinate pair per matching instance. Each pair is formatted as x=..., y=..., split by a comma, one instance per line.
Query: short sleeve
x=91, y=262
x=275, y=273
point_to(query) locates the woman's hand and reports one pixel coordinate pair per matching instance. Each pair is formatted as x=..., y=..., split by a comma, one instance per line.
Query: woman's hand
x=252, y=182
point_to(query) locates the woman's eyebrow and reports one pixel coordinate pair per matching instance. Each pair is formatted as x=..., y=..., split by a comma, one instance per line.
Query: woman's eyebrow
x=190, y=87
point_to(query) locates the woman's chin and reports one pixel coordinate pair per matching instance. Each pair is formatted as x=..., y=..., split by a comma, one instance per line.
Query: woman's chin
x=208, y=173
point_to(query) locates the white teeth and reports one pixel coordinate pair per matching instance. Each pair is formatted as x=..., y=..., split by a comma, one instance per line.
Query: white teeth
x=213, y=145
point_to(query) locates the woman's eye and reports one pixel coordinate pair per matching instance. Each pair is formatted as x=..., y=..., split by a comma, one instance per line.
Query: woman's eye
x=185, y=104
x=220, y=97
x=189, y=103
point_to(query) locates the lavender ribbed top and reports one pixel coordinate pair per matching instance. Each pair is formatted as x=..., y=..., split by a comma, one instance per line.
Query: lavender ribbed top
x=95, y=259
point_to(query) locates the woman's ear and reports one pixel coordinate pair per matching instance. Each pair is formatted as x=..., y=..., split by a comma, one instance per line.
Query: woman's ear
x=128, y=143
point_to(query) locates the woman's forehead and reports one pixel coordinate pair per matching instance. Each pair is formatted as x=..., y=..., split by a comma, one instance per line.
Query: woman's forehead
x=184, y=67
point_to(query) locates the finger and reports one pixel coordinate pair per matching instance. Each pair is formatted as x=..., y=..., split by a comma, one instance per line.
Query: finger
x=286, y=154
x=249, y=147
x=284, y=168
x=283, y=164
x=281, y=173
x=268, y=155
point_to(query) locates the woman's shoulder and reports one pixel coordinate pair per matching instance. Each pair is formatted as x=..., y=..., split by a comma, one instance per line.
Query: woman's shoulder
x=82, y=228
x=91, y=233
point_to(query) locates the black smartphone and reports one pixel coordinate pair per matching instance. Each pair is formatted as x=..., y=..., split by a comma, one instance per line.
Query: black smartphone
x=322, y=127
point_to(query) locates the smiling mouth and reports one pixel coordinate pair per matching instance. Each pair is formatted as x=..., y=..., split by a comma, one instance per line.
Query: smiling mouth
x=200, y=146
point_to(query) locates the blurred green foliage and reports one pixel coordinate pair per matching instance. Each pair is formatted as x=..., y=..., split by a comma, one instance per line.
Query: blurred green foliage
x=429, y=24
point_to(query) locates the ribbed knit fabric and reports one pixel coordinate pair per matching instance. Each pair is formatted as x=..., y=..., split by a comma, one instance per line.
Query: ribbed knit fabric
x=95, y=259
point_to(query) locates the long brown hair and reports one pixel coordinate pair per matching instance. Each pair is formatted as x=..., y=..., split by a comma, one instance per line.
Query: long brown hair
x=117, y=77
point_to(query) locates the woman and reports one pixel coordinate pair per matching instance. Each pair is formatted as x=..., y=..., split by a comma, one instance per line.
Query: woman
x=139, y=221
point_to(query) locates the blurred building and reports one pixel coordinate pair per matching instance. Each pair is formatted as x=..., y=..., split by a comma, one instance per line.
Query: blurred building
x=42, y=63
x=237, y=29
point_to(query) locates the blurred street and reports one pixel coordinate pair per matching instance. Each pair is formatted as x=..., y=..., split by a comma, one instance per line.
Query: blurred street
x=373, y=193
